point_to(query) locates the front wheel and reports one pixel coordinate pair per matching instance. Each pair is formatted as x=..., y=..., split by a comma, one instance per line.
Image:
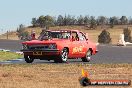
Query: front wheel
x=63, y=56
x=87, y=57
x=29, y=59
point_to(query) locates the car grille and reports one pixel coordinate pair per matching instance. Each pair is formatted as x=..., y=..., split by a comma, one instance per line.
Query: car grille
x=39, y=47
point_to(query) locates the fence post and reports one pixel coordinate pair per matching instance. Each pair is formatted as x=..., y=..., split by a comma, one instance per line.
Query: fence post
x=7, y=34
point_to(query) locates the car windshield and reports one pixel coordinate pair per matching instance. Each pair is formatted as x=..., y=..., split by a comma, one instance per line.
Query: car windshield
x=55, y=34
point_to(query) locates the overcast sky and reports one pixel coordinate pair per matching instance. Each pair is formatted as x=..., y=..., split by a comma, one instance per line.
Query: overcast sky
x=15, y=12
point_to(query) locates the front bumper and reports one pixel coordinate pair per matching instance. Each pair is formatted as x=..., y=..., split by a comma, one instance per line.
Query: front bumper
x=41, y=52
x=96, y=51
x=45, y=50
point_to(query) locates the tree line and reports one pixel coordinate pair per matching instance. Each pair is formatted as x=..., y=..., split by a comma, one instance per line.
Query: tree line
x=89, y=21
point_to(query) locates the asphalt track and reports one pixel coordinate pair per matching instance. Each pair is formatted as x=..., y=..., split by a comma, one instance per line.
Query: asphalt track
x=106, y=54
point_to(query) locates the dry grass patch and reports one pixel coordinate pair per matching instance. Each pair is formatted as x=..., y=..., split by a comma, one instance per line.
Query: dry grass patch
x=93, y=34
x=11, y=36
x=59, y=75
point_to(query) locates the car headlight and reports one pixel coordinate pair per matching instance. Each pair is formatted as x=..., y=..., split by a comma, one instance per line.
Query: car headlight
x=52, y=46
x=24, y=46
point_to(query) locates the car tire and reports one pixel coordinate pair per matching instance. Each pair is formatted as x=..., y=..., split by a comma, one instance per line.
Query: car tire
x=63, y=56
x=87, y=57
x=56, y=60
x=29, y=59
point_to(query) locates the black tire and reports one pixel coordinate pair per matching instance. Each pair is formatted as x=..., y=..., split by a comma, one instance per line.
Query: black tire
x=87, y=57
x=63, y=56
x=29, y=59
x=56, y=60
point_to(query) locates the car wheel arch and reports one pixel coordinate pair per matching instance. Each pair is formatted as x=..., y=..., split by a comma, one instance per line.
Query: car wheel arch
x=67, y=49
x=90, y=50
x=61, y=58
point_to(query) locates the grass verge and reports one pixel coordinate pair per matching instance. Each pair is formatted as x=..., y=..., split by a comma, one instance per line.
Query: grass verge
x=60, y=75
x=9, y=56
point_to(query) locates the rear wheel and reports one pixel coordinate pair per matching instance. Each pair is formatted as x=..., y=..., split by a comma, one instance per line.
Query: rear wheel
x=29, y=59
x=63, y=56
x=87, y=57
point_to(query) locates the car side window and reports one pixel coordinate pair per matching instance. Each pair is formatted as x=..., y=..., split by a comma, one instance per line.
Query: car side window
x=82, y=36
x=75, y=36
x=66, y=35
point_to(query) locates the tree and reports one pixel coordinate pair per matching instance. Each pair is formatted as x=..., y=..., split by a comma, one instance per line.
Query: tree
x=113, y=21
x=80, y=20
x=102, y=20
x=69, y=20
x=34, y=22
x=104, y=37
x=41, y=21
x=45, y=21
x=93, y=23
x=127, y=35
x=60, y=20
x=124, y=20
x=130, y=20
x=86, y=20
x=48, y=21
x=65, y=21
x=73, y=20
x=21, y=28
x=22, y=34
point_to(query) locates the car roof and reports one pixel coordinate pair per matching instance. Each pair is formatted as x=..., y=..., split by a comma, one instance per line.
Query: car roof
x=63, y=30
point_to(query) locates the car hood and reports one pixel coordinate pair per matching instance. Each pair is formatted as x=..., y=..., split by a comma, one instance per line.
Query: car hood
x=50, y=41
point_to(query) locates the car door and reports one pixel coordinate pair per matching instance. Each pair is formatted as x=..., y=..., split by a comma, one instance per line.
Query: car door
x=75, y=44
x=83, y=44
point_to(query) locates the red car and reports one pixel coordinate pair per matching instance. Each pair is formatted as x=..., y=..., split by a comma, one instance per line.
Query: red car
x=59, y=46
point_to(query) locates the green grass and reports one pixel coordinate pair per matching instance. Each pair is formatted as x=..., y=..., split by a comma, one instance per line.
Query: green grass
x=9, y=56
